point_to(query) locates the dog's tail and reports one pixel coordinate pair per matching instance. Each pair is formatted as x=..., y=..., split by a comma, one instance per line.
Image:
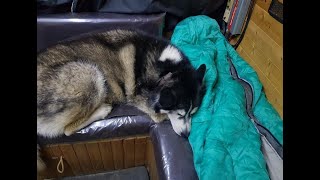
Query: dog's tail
x=40, y=163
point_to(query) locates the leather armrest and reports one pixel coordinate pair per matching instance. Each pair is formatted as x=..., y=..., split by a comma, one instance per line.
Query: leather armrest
x=173, y=153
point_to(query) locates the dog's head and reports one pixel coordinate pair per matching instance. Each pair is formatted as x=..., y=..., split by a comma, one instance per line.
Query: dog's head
x=179, y=94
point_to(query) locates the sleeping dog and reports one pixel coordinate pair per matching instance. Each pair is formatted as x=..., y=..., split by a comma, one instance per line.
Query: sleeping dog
x=80, y=80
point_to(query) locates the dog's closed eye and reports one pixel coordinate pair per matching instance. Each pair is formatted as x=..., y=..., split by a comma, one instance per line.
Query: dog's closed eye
x=180, y=115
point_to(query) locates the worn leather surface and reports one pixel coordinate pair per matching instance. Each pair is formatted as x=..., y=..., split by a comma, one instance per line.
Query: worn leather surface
x=173, y=153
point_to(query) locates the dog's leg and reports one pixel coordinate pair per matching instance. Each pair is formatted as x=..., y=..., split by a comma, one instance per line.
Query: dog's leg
x=141, y=103
x=156, y=117
x=70, y=94
x=126, y=57
x=116, y=95
x=100, y=113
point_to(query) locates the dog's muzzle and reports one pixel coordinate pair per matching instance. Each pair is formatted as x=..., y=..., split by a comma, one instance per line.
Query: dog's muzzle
x=181, y=126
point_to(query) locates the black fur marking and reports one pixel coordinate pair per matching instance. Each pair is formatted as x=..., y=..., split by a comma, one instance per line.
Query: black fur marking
x=139, y=66
x=167, y=99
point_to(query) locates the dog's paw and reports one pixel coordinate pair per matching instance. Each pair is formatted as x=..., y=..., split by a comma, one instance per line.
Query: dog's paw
x=68, y=131
x=159, y=117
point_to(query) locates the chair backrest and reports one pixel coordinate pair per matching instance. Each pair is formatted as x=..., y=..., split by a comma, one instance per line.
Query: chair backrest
x=52, y=28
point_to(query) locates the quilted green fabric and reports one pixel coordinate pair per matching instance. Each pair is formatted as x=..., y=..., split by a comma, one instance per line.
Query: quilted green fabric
x=224, y=141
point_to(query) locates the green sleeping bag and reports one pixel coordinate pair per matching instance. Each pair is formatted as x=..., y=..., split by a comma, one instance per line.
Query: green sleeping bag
x=225, y=142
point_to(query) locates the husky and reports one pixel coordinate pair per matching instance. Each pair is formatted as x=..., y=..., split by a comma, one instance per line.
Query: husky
x=79, y=81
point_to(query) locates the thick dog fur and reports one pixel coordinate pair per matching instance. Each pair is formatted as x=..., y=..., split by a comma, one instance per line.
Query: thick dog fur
x=79, y=81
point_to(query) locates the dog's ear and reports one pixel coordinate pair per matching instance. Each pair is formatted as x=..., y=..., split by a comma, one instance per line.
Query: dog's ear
x=200, y=72
x=167, y=98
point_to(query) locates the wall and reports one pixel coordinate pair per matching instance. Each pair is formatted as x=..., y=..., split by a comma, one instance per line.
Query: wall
x=262, y=48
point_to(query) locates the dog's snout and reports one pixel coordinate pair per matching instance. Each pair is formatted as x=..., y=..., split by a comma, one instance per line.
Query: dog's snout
x=180, y=126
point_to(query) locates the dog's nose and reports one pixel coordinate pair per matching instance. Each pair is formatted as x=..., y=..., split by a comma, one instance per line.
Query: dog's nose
x=185, y=134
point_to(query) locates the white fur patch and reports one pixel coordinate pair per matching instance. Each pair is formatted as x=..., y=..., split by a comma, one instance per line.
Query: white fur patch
x=170, y=53
x=164, y=111
x=194, y=110
x=178, y=124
